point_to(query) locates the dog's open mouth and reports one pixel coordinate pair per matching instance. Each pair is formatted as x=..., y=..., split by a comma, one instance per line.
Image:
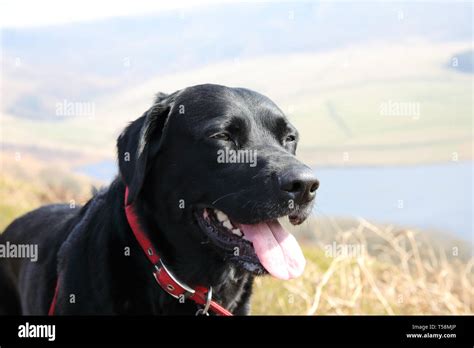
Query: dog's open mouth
x=262, y=247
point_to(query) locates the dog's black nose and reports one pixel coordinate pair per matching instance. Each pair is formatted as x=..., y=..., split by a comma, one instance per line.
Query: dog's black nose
x=301, y=185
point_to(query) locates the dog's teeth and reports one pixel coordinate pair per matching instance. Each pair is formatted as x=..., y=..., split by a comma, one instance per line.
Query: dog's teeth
x=227, y=225
x=237, y=232
x=221, y=216
x=205, y=214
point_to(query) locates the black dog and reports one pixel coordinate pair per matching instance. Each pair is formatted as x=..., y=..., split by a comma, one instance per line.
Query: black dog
x=209, y=170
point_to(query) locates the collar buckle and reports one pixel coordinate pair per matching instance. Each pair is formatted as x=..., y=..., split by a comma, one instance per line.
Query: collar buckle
x=170, y=283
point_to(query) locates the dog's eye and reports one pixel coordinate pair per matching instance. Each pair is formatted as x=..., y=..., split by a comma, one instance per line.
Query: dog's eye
x=221, y=136
x=290, y=138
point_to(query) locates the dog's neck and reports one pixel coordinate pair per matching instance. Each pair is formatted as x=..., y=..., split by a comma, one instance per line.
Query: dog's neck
x=194, y=266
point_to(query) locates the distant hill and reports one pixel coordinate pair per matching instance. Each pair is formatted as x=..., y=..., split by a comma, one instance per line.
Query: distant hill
x=336, y=100
x=330, y=66
x=82, y=61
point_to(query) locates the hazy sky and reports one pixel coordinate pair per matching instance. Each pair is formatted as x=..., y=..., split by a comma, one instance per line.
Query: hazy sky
x=33, y=13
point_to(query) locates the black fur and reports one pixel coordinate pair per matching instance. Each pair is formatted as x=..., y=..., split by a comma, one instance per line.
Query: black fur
x=166, y=157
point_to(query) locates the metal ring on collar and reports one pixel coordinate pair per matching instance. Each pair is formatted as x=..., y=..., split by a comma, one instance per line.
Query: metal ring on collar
x=205, y=310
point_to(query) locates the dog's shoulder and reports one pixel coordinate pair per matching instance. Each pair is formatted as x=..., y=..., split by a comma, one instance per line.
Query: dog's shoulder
x=37, y=224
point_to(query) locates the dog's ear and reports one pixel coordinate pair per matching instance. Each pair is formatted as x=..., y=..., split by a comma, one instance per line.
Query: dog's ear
x=139, y=142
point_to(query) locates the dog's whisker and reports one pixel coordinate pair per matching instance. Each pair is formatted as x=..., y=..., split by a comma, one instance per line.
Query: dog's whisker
x=249, y=201
x=227, y=195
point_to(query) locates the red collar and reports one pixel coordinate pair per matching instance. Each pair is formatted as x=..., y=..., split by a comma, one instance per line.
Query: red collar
x=201, y=295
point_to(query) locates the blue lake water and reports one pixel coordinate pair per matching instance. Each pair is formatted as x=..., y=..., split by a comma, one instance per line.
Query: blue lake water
x=435, y=196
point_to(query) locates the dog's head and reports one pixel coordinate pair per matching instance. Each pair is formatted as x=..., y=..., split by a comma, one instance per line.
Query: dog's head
x=215, y=168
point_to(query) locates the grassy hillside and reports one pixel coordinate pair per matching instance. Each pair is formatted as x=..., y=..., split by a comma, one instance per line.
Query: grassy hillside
x=388, y=270
x=26, y=184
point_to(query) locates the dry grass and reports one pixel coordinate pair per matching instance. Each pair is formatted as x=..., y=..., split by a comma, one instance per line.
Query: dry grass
x=391, y=272
x=26, y=184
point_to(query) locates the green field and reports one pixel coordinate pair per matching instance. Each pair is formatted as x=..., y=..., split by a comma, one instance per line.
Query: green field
x=334, y=99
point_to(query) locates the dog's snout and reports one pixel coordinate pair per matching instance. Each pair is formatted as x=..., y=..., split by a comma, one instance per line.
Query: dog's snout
x=300, y=185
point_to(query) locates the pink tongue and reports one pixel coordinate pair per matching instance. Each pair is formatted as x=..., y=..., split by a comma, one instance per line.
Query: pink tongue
x=277, y=250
